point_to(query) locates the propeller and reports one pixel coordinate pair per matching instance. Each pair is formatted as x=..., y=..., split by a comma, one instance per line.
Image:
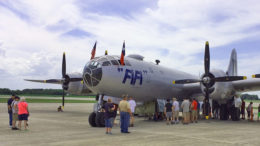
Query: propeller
x=208, y=79
x=65, y=78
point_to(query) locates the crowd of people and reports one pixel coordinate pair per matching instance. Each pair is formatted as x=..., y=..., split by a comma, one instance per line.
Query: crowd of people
x=18, y=111
x=189, y=111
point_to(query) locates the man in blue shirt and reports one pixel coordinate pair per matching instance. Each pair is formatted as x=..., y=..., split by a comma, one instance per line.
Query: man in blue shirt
x=9, y=102
x=109, y=112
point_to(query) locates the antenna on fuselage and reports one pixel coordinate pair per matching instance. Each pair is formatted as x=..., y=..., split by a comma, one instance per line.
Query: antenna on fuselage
x=157, y=61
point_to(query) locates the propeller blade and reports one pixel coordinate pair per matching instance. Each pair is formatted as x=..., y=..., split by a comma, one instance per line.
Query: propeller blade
x=63, y=100
x=207, y=59
x=63, y=65
x=256, y=76
x=53, y=81
x=229, y=78
x=93, y=52
x=75, y=79
x=186, y=81
x=106, y=52
x=210, y=90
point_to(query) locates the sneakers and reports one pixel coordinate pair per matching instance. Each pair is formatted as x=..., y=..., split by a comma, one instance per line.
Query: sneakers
x=15, y=128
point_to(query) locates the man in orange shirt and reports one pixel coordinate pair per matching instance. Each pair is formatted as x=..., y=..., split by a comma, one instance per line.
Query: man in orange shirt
x=194, y=106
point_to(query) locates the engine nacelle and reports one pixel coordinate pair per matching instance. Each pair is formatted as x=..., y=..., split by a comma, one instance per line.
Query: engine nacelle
x=77, y=88
x=219, y=91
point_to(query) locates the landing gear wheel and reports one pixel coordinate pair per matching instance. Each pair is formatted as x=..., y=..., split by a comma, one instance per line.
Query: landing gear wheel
x=223, y=112
x=235, y=115
x=92, y=119
x=100, y=120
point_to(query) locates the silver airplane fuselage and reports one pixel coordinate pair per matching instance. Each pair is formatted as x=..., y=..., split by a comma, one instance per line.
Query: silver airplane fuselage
x=143, y=80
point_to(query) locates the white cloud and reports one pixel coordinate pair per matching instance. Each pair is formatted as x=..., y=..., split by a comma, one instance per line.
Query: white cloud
x=36, y=44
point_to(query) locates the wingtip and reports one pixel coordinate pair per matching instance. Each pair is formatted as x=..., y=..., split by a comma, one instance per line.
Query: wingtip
x=207, y=42
x=253, y=76
x=245, y=77
x=173, y=82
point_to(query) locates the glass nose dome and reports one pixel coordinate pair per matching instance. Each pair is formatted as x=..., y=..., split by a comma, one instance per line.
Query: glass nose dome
x=92, y=73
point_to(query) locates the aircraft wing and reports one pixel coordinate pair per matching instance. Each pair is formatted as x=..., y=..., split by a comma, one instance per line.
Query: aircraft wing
x=51, y=81
x=247, y=85
x=191, y=90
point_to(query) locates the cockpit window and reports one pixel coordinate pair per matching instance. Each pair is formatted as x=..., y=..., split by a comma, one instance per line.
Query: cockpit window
x=106, y=63
x=94, y=65
x=127, y=63
x=114, y=62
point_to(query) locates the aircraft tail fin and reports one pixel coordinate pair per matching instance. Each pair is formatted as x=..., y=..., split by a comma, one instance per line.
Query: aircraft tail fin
x=232, y=67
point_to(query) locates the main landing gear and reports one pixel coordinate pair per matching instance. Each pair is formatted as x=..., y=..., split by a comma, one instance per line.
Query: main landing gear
x=96, y=118
x=228, y=110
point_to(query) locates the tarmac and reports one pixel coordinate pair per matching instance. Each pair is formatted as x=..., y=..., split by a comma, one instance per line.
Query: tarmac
x=71, y=128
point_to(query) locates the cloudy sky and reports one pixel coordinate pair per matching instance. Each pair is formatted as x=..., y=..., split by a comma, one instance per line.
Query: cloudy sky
x=34, y=34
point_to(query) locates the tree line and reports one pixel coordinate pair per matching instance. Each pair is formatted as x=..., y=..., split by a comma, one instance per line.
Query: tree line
x=6, y=91
x=249, y=97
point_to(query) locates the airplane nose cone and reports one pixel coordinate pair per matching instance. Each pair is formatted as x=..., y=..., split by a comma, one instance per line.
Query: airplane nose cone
x=92, y=74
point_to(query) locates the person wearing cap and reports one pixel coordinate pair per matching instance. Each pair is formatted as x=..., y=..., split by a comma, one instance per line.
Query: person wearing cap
x=23, y=113
x=9, y=108
x=14, y=106
x=125, y=113
x=108, y=115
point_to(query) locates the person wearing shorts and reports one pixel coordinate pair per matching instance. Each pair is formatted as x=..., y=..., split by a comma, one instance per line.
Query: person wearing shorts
x=23, y=113
x=194, y=106
x=109, y=111
x=168, y=111
x=175, y=115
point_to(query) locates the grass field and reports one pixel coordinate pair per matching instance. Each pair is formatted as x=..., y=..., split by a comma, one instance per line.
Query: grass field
x=254, y=101
x=71, y=96
x=4, y=100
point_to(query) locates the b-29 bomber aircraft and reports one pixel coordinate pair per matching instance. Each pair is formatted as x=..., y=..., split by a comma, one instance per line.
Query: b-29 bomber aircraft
x=115, y=76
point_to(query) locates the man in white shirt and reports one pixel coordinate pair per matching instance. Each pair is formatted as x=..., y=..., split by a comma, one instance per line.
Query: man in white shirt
x=175, y=111
x=132, y=107
x=238, y=104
